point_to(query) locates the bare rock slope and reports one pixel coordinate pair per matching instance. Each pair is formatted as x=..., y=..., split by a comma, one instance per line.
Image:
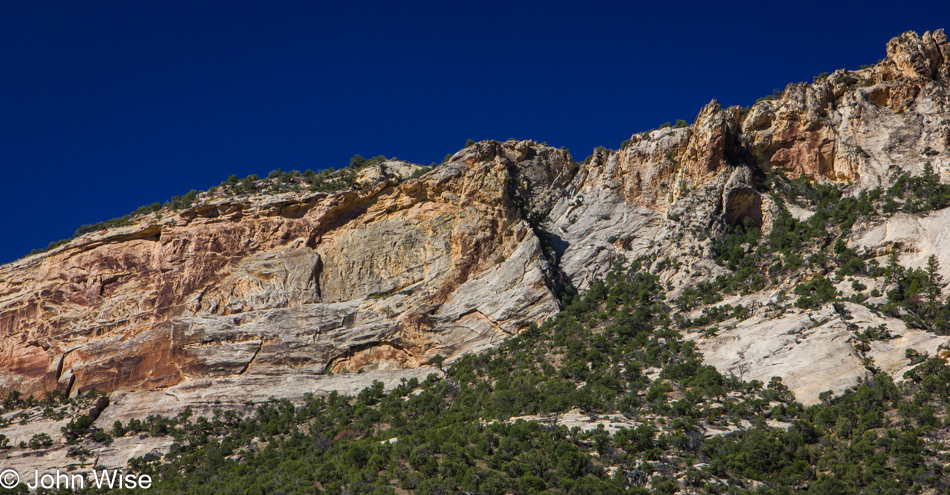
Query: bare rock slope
x=240, y=298
x=257, y=290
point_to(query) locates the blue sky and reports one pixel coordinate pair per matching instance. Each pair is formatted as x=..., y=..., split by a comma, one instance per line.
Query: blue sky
x=108, y=105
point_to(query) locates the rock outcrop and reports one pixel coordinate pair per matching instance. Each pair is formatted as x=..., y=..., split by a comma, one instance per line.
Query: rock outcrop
x=859, y=125
x=812, y=351
x=383, y=278
x=240, y=298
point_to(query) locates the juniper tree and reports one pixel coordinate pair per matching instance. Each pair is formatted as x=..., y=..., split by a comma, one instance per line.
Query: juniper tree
x=934, y=284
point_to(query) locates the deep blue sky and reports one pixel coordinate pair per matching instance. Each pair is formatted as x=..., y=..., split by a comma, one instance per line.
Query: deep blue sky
x=109, y=105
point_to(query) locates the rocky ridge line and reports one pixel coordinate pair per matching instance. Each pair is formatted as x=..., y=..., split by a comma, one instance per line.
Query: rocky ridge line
x=284, y=294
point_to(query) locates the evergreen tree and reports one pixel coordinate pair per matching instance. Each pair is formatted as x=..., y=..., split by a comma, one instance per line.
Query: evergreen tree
x=934, y=285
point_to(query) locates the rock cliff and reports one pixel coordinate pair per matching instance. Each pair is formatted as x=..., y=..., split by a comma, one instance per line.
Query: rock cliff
x=238, y=298
x=258, y=288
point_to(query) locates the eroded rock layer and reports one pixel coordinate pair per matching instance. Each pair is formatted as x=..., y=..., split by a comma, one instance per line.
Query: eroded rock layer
x=248, y=297
x=386, y=277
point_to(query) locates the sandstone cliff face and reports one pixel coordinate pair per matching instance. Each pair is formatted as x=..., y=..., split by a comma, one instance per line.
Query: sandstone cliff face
x=243, y=298
x=387, y=277
x=860, y=125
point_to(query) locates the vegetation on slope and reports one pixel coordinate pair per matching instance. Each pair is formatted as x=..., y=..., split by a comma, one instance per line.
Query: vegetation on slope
x=614, y=352
x=815, y=253
x=611, y=351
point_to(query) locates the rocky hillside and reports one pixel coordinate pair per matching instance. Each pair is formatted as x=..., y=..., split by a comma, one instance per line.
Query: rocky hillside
x=242, y=296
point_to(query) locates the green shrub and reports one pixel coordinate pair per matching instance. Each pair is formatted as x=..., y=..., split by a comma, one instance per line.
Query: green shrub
x=40, y=441
x=815, y=293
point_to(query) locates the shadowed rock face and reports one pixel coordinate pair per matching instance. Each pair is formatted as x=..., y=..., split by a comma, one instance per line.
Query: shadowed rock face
x=744, y=203
x=244, y=298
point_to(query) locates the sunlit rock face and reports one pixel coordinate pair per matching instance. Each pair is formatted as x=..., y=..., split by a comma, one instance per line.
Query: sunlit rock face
x=383, y=278
x=859, y=125
x=241, y=298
